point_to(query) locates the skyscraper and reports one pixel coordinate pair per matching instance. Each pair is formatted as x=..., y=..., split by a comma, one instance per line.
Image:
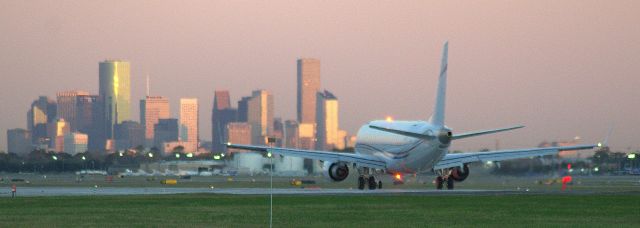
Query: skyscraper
x=327, y=121
x=56, y=133
x=152, y=108
x=166, y=130
x=42, y=112
x=128, y=135
x=221, y=115
x=290, y=134
x=238, y=133
x=68, y=105
x=89, y=121
x=260, y=115
x=115, y=93
x=243, y=109
x=189, y=123
x=84, y=117
x=19, y=141
x=308, y=86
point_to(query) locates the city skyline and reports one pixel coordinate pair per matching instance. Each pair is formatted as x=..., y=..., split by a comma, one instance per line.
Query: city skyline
x=526, y=63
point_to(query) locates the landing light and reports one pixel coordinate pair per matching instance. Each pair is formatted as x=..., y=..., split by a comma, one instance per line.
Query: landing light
x=599, y=144
x=389, y=119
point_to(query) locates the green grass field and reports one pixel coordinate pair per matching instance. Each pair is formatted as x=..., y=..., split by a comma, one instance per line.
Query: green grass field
x=208, y=210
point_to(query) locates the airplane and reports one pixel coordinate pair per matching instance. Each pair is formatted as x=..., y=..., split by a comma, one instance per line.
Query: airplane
x=410, y=147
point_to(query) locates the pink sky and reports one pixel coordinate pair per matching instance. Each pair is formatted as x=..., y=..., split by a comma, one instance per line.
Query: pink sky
x=562, y=68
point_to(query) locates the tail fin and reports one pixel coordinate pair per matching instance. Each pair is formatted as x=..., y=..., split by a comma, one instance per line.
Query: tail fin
x=437, y=118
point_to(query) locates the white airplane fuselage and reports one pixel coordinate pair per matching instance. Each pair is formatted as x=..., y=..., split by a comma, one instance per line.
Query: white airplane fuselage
x=403, y=154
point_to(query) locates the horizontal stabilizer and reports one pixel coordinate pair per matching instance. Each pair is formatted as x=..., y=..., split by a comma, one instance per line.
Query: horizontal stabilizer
x=402, y=132
x=483, y=132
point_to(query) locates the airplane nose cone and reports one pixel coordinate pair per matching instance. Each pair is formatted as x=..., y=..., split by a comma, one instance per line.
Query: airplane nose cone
x=444, y=137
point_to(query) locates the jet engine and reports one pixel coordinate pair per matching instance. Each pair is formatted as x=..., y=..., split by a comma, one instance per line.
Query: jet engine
x=460, y=174
x=336, y=171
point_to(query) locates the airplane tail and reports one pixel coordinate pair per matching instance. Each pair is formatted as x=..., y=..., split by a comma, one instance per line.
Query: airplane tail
x=437, y=118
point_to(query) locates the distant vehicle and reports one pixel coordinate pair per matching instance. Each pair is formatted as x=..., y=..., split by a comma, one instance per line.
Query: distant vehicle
x=409, y=147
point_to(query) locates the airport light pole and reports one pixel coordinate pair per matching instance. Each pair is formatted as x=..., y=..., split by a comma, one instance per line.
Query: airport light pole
x=270, y=155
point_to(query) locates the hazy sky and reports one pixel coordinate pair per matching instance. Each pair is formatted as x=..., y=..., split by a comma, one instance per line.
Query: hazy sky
x=562, y=68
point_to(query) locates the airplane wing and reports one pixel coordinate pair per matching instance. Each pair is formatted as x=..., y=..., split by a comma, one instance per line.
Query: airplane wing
x=359, y=159
x=459, y=159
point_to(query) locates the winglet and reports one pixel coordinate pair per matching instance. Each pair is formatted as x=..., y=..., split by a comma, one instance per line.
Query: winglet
x=437, y=118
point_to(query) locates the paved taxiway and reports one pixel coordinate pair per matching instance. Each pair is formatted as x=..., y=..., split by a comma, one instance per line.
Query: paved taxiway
x=80, y=191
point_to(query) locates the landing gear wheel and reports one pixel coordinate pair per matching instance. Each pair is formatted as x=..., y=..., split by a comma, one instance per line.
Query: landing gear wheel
x=450, y=183
x=379, y=184
x=439, y=183
x=372, y=183
x=361, y=183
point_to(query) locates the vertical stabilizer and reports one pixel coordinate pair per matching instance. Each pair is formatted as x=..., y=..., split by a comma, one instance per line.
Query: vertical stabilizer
x=437, y=118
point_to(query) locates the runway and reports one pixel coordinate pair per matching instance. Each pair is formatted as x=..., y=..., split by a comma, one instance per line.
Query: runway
x=88, y=191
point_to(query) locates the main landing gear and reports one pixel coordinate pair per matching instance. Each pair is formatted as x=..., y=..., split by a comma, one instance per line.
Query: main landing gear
x=444, y=178
x=368, y=178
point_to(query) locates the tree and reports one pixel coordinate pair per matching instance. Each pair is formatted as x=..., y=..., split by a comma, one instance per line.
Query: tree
x=178, y=149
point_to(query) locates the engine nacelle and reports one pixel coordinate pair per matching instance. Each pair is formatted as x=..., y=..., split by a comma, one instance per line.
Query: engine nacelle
x=460, y=175
x=336, y=171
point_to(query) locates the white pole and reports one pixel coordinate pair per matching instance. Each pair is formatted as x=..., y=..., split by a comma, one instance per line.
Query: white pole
x=271, y=193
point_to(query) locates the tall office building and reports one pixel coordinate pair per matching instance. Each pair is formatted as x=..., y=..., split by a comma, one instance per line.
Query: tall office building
x=243, y=109
x=19, y=141
x=189, y=124
x=152, y=108
x=221, y=115
x=308, y=86
x=327, y=121
x=128, y=135
x=166, y=130
x=238, y=133
x=68, y=105
x=115, y=94
x=84, y=109
x=278, y=132
x=342, y=140
x=56, y=132
x=290, y=134
x=260, y=116
x=89, y=121
x=41, y=114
